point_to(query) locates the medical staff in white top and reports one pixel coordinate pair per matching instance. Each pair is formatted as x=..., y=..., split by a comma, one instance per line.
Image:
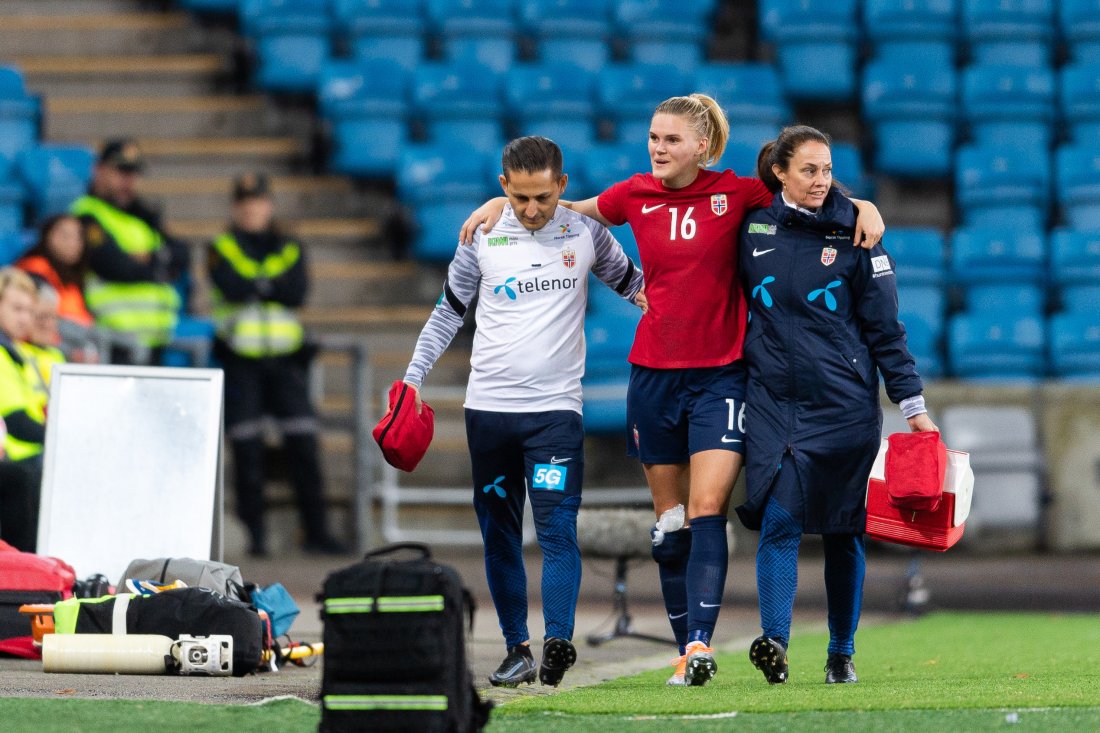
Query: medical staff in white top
x=523, y=399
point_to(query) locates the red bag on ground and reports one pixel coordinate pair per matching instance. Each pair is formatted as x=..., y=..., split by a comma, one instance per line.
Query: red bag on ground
x=29, y=578
x=403, y=435
x=915, y=467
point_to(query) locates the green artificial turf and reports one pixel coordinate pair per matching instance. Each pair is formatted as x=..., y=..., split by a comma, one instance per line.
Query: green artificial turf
x=947, y=661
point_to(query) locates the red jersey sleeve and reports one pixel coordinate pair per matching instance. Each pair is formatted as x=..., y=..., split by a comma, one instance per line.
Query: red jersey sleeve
x=757, y=195
x=612, y=202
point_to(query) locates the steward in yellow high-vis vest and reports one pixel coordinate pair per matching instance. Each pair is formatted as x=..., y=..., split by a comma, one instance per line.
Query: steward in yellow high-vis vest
x=259, y=280
x=132, y=262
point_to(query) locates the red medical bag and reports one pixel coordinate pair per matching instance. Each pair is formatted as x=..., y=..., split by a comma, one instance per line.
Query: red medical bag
x=931, y=530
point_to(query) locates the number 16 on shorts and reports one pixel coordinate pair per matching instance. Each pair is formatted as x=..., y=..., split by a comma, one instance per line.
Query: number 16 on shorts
x=736, y=421
x=549, y=476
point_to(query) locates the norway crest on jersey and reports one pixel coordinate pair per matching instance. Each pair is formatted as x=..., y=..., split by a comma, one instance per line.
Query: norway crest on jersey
x=828, y=256
x=718, y=204
x=569, y=257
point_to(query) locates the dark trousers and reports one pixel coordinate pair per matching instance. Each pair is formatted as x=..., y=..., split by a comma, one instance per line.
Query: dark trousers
x=20, y=486
x=276, y=386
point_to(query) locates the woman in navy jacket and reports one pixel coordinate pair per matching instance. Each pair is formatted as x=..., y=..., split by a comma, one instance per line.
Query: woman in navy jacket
x=823, y=322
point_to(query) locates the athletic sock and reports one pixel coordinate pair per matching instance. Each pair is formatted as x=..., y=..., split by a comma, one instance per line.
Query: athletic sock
x=672, y=561
x=706, y=575
x=777, y=570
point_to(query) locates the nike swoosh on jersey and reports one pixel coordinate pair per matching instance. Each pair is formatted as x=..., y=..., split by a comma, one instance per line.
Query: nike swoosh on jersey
x=679, y=615
x=647, y=209
x=757, y=252
x=730, y=440
x=555, y=459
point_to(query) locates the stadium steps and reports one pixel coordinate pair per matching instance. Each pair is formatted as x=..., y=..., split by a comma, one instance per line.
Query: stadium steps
x=118, y=67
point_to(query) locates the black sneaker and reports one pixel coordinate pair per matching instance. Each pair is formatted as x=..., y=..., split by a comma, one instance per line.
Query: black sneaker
x=840, y=669
x=770, y=657
x=518, y=666
x=558, y=655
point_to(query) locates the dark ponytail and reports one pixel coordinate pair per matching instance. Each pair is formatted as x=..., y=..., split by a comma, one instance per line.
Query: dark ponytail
x=780, y=151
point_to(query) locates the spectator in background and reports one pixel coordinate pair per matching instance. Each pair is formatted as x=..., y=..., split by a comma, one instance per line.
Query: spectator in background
x=259, y=278
x=40, y=347
x=61, y=260
x=21, y=467
x=133, y=262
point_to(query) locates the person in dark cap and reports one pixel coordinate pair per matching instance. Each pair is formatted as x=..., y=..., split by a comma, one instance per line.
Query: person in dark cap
x=259, y=280
x=132, y=262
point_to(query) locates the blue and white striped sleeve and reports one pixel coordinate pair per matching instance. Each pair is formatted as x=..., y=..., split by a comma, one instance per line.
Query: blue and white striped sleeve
x=459, y=289
x=613, y=266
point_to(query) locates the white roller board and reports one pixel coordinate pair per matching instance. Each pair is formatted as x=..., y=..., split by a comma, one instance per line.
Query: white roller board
x=132, y=466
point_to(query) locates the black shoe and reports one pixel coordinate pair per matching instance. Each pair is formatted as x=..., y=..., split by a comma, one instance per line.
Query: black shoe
x=325, y=546
x=770, y=657
x=518, y=666
x=558, y=655
x=839, y=669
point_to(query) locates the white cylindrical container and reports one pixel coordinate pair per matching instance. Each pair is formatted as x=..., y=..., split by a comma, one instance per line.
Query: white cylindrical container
x=106, y=653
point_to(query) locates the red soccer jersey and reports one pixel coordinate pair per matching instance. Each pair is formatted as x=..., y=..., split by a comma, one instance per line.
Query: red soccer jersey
x=687, y=239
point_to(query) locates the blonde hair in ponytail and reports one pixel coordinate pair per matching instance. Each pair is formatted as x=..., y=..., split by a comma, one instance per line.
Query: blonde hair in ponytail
x=705, y=118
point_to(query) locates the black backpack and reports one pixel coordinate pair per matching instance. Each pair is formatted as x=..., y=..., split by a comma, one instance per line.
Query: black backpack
x=395, y=647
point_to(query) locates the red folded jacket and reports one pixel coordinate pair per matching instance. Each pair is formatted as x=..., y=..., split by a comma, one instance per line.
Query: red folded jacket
x=403, y=435
x=916, y=464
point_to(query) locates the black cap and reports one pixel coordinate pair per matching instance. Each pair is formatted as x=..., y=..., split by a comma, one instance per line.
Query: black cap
x=251, y=185
x=122, y=153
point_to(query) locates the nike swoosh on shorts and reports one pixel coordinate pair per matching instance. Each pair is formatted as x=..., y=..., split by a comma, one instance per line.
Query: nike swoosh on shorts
x=555, y=459
x=730, y=440
x=757, y=252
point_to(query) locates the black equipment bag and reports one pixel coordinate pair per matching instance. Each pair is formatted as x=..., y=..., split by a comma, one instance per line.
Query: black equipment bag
x=395, y=647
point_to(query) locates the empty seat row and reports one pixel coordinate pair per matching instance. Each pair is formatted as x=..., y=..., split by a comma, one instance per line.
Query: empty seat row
x=45, y=179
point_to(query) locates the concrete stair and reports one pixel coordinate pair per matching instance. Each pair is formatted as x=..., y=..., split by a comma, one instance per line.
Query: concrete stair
x=137, y=68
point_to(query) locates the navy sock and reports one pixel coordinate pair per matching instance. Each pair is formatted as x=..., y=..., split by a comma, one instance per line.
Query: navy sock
x=706, y=575
x=672, y=561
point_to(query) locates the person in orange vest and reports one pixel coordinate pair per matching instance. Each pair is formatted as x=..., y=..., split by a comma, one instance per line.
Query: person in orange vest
x=61, y=260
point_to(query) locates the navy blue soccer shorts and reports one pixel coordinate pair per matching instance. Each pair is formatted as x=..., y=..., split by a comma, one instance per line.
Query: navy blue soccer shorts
x=672, y=414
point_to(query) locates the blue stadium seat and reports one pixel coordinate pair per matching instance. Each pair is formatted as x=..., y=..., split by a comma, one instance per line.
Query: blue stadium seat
x=54, y=176
x=19, y=116
x=591, y=54
x=665, y=31
x=210, y=6
x=1009, y=31
x=1074, y=257
x=442, y=172
x=751, y=95
x=572, y=18
x=684, y=55
x=13, y=246
x=921, y=311
x=1005, y=185
x=479, y=31
x=292, y=41
x=609, y=163
x=628, y=94
x=497, y=54
x=739, y=157
x=460, y=103
x=1080, y=25
x=1078, y=177
x=998, y=255
x=848, y=169
x=11, y=207
x=1082, y=298
x=439, y=222
x=815, y=44
x=560, y=95
x=1075, y=344
x=1018, y=299
x=1080, y=100
x=996, y=345
x=391, y=30
x=609, y=332
x=911, y=108
x=362, y=88
x=918, y=254
x=1008, y=105
x=910, y=29
x=367, y=147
